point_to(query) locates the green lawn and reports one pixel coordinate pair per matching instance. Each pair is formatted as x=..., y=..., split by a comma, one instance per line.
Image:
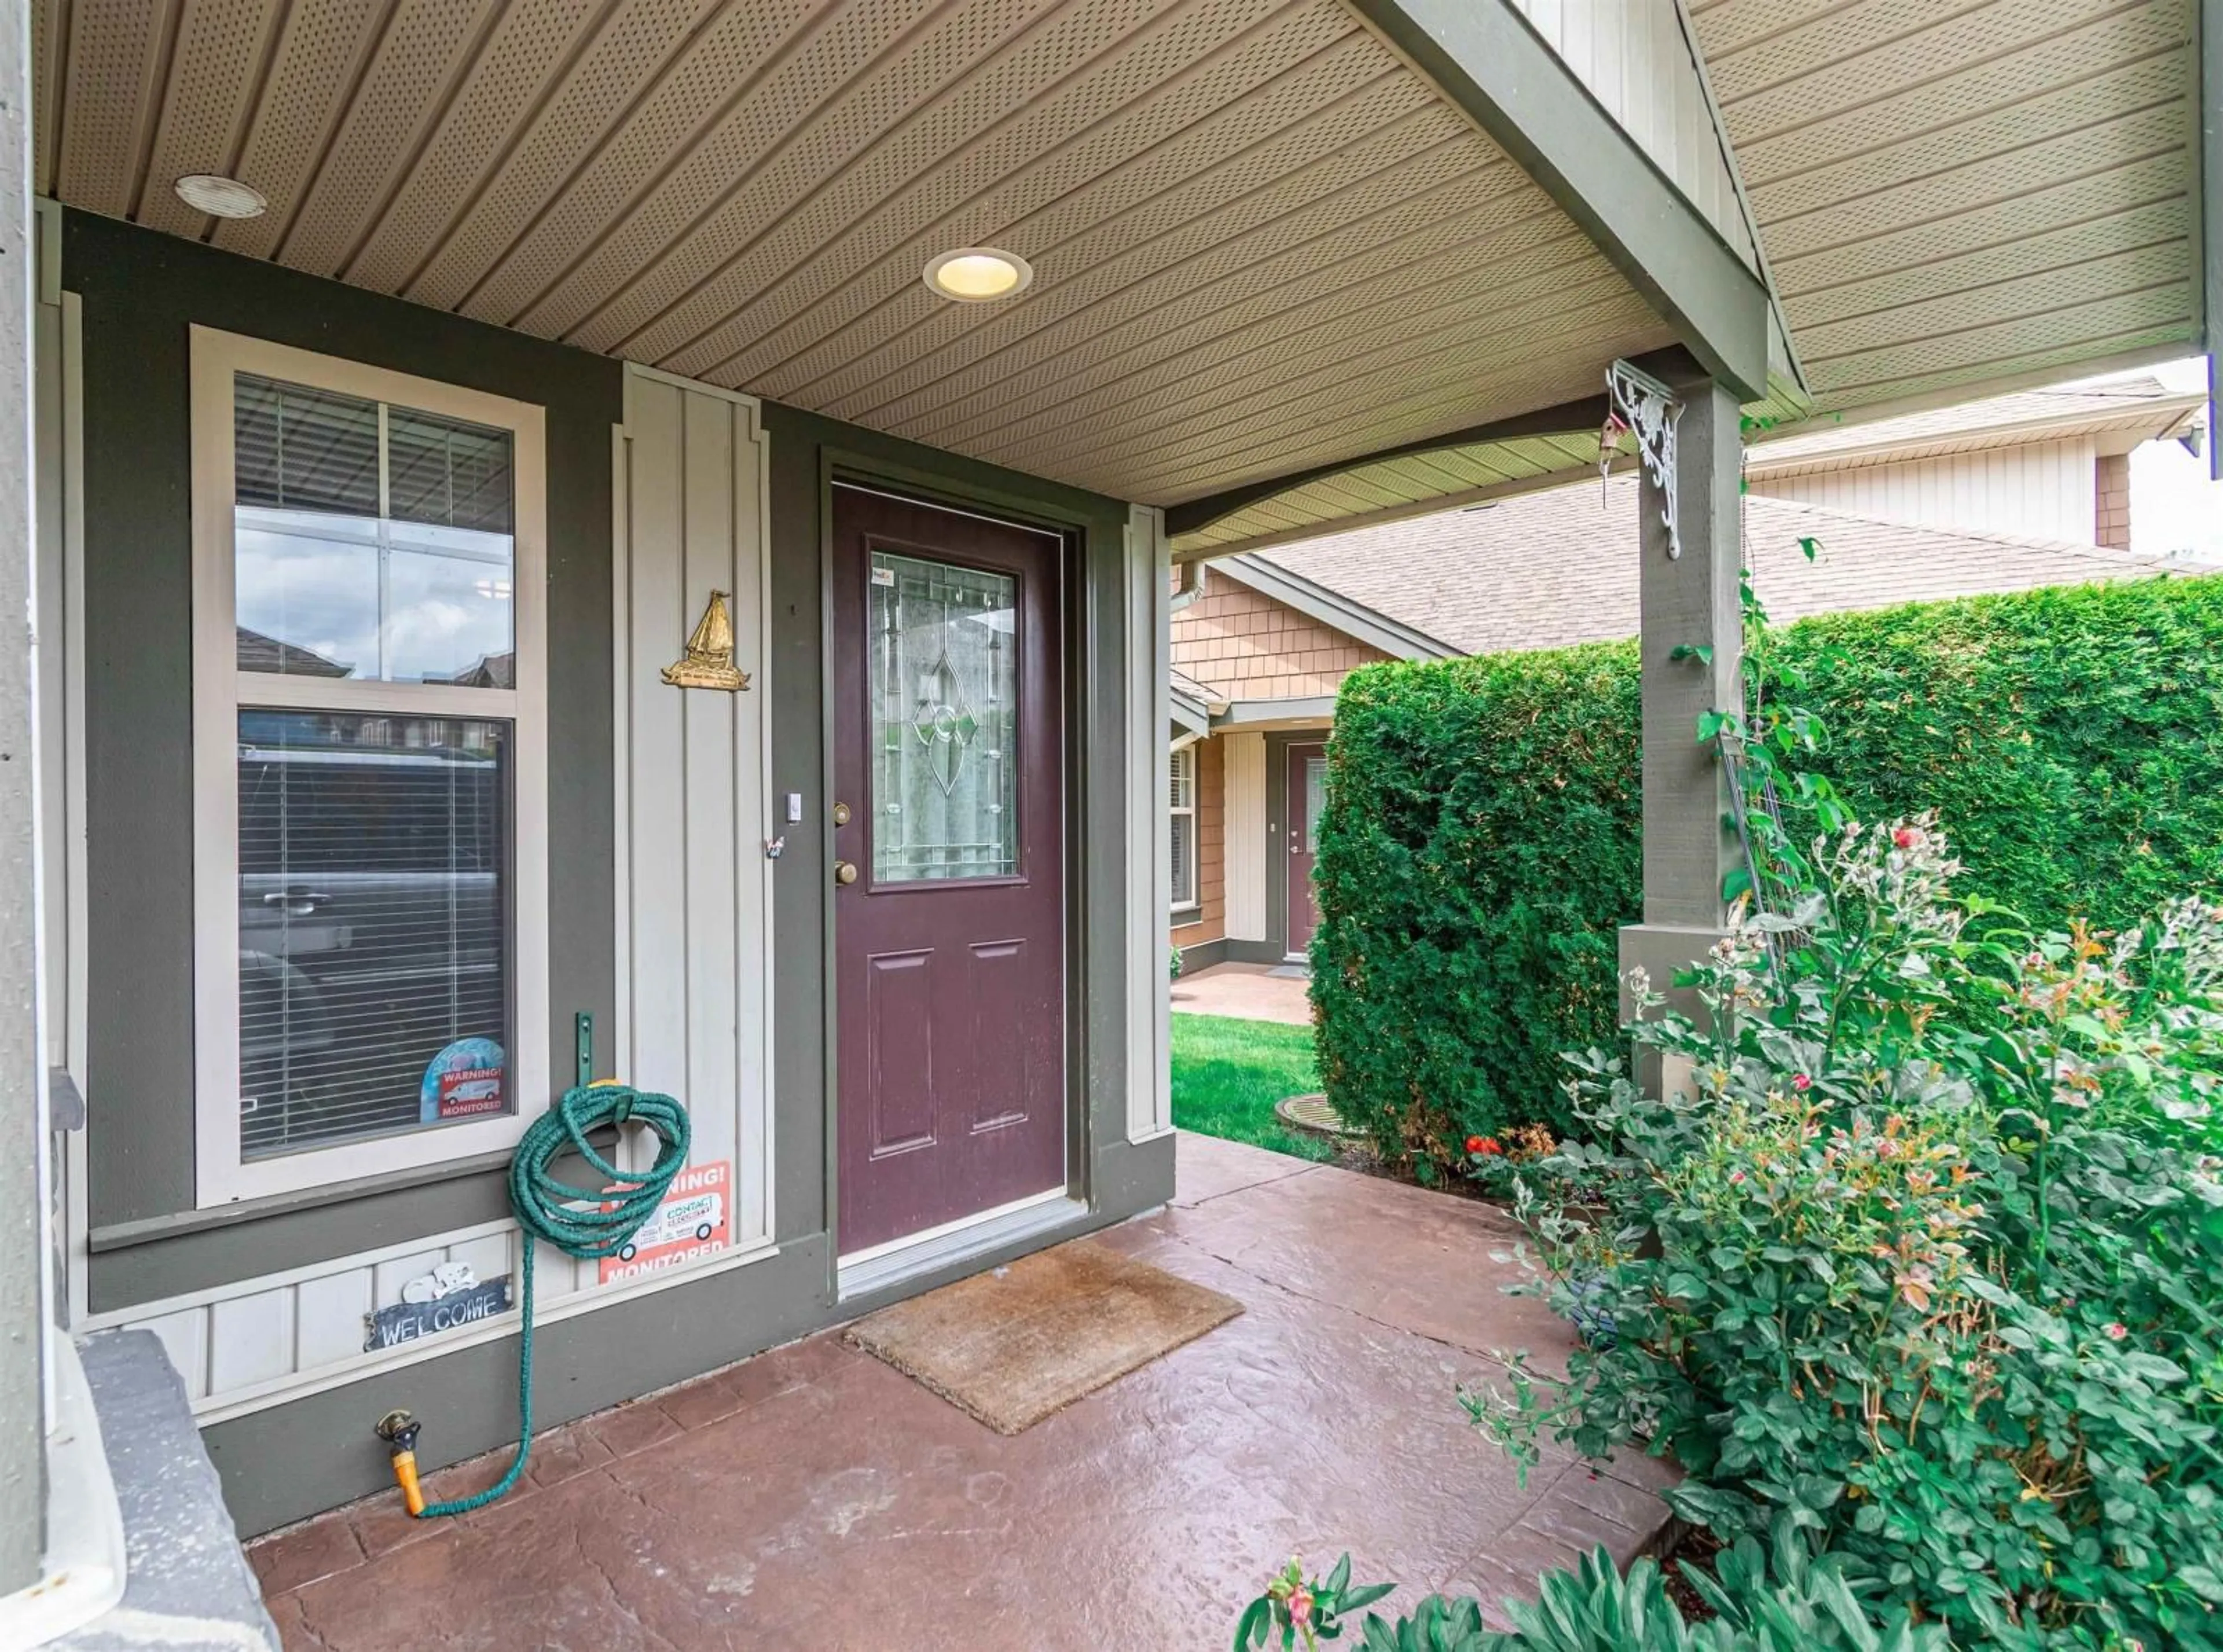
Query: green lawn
x=1228, y=1074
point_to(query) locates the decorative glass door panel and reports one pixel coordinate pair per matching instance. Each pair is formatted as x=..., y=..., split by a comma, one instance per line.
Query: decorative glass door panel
x=942, y=685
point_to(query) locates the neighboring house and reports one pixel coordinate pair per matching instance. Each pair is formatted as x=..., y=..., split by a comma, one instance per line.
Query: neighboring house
x=2049, y=464
x=1898, y=508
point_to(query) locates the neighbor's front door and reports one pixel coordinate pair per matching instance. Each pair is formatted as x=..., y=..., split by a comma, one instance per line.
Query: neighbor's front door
x=1307, y=794
x=948, y=758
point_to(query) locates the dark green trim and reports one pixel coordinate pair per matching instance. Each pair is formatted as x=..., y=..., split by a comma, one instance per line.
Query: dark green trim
x=124, y=1235
x=1202, y=955
x=1258, y=952
x=1565, y=419
x=196, y=1259
x=1485, y=57
x=141, y=292
x=1188, y=919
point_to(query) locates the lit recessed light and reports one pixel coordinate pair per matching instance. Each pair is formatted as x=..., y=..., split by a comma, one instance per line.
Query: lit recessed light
x=221, y=198
x=978, y=275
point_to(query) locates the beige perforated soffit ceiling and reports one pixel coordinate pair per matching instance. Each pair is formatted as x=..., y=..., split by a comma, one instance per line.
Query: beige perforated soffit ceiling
x=1260, y=241
x=1957, y=196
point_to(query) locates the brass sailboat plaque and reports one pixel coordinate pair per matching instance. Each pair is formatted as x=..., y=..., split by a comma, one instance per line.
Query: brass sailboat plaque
x=709, y=662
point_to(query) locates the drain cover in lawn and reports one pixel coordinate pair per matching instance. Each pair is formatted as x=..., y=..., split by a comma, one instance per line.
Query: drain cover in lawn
x=1011, y=1347
x=1311, y=1113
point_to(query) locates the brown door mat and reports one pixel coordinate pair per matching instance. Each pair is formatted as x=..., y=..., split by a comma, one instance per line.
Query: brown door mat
x=1012, y=1346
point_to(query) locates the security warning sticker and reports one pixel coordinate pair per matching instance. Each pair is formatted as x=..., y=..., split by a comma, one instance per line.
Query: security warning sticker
x=693, y=1222
x=463, y=1081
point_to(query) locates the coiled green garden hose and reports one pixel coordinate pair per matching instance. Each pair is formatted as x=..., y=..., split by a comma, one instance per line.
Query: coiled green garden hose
x=587, y=1223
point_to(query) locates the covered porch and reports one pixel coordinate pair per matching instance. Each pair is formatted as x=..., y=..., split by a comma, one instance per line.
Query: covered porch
x=632, y=540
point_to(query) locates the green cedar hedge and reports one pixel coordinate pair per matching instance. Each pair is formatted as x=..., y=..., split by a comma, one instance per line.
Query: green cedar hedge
x=1481, y=844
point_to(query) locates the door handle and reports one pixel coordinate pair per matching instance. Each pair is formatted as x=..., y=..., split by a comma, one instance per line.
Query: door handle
x=297, y=903
x=845, y=872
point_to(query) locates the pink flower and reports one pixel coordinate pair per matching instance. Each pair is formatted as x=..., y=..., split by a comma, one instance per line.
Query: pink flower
x=1907, y=837
x=1736, y=1175
x=1301, y=1606
x=1800, y=1081
x=2117, y=1331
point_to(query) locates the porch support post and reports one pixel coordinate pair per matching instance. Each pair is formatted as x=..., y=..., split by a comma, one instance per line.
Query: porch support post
x=2210, y=215
x=1689, y=603
x=23, y=1194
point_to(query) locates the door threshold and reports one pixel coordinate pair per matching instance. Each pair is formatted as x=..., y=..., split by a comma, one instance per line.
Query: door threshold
x=878, y=1266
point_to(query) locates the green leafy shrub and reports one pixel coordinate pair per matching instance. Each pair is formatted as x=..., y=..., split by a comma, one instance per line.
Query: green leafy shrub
x=1920, y=1244
x=1802, y=1605
x=1481, y=846
x=1479, y=850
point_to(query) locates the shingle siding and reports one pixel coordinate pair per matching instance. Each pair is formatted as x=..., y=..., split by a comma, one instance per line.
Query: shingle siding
x=1248, y=646
x=2111, y=483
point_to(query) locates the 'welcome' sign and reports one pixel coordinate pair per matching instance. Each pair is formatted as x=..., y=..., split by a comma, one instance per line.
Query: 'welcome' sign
x=410, y=1322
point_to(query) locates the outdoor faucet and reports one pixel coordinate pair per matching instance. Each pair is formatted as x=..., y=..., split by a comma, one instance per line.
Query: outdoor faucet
x=400, y=1429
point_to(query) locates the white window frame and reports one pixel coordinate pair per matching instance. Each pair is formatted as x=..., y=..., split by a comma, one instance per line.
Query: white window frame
x=221, y=1175
x=1185, y=750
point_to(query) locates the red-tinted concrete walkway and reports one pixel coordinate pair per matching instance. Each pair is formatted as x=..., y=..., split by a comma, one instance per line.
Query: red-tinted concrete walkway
x=815, y=1500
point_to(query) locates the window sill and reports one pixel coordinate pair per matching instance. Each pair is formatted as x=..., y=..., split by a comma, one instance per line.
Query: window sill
x=1183, y=917
x=125, y=1235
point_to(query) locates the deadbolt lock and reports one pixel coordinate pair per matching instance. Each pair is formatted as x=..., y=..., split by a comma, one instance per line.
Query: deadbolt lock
x=845, y=871
x=840, y=814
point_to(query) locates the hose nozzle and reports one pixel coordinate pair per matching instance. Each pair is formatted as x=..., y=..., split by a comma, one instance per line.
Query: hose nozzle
x=400, y=1430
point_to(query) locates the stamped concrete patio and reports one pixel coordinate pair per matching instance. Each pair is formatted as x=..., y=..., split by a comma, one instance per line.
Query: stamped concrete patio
x=813, y=1498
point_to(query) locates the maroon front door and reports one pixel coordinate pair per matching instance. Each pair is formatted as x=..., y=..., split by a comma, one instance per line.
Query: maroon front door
x=948, y=758
x=1307, y=790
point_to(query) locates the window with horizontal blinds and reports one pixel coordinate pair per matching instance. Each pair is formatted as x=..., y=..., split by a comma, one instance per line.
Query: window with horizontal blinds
x=372, y=542
x=370, y=768
x=373, y=925
x=1181, y=802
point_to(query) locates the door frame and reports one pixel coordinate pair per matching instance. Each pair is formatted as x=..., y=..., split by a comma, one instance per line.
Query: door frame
x=940, y=1246
x=1304, y=740
x=1275, y=949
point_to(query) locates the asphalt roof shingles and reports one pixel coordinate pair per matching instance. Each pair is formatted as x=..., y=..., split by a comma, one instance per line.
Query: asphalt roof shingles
x=1546, y=570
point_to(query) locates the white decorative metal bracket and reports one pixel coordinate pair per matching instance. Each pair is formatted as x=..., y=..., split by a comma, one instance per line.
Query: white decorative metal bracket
x=1637, y=402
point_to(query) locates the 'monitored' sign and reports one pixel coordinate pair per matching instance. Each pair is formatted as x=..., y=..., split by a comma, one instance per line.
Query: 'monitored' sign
x=412, y=1322
x=693, y=1221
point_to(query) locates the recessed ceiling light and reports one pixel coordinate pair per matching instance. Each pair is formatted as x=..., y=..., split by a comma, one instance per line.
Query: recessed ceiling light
x=221, y=198
x=978, y=275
